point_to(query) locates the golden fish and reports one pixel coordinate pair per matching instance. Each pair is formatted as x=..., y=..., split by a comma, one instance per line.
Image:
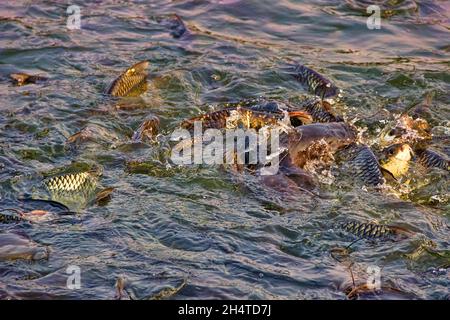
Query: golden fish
x=132, y=82
x=396, y=159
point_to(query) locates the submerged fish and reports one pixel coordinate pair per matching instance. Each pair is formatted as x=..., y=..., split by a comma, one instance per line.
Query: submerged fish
x=21, y=79
x=366, y=167
x=91, y=133
x=74, y=190
x=132, y=82
x=176, y=25
x=14, y=246
x=431, y=159
x=316, y=83
x=396, y=159
x=147, y=130
x=373, y=230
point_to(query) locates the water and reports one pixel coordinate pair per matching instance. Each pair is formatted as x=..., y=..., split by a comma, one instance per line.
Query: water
x=213, y=233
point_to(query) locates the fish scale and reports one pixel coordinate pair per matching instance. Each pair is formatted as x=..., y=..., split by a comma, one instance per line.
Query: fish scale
x=318, y=112
x=432, y=159
x=68, y=182
x=317, y=83
x=367, y=230
x=367, y=167
x=9, y=218
x=218, y=119
x=133, y=79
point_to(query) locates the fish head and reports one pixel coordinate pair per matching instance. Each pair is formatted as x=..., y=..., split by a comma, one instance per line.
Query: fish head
x=399, y=151
x=137, y=68
x=395, y=159
x=406, y=129
x=19, y=78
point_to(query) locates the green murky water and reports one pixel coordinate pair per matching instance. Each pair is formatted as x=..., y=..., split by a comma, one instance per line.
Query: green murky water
x=213, y=233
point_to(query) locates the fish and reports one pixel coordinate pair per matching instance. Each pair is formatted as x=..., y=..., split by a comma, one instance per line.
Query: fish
x=316, y=143
x=121, y=290
x=316, y=83
x=297, y=117
x=319, y=110
x=70, y=182
x=42, y=204
x=396, y=158
x=367, y=168
x=406, y=130
x=21, y=79
x=431, y=159
x=14, y=246
x=132, y=82
x=241, y=117
x=369, y=230
x=176, y=25
x=147, y=130
x=422, y=109
x=74, y=190
x=168, y=292
x=103, y=196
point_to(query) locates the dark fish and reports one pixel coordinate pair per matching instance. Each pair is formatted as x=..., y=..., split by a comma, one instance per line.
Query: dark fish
x=132, y=82
x=316, y=83
x=269, y=107
x=367, y=230
x=10, y=218
x=147, y=130
x=43, y=204
x=373, y=230
x=318, y=109
x=21, y=79
x=367, y=168
x=297, y=117
x=431, y=159
x=176, y=26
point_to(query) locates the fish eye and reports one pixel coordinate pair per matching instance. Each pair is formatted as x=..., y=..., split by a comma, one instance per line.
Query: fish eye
x=392, y=132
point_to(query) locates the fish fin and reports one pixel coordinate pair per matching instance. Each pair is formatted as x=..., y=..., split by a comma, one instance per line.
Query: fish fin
x=387, y=174
x=103, y=195
x=429, y=98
